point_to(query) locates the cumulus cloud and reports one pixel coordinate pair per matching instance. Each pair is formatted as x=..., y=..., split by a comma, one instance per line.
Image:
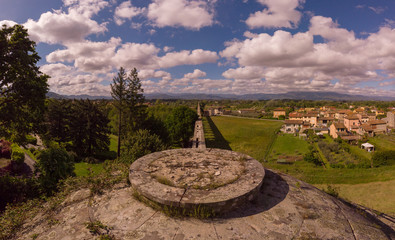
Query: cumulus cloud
x=191, y=14
x=126, y=11
x=8, y=23
x=69, y=80
x=195, y=74
x=293, y=61
x=185, y=57
x=67, y=27
x=279, y=13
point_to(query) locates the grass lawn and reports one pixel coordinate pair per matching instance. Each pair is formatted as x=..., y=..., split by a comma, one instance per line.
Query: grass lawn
x=375, y=195
x=288, y=147
x=113, y=143
x=81, y=168
x=245, y=135
x=383, y=142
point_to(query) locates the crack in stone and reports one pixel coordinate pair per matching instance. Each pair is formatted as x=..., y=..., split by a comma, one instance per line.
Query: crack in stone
x=348, y=221
x=145, y=221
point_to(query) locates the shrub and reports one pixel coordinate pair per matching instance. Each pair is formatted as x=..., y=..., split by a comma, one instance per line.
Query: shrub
x=14, y=189
x=312, y=157
x=30, y=139
x=54, y=164
x=383, y=158
x=140, y=144
x=17, y=155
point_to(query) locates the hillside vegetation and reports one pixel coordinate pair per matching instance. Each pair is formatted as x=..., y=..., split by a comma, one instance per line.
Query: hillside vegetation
x=258, y=139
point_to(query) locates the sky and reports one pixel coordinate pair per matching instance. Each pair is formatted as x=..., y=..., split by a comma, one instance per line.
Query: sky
x=213, y=46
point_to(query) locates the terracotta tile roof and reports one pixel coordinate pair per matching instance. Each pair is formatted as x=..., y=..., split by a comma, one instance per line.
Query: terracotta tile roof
x=293, y=121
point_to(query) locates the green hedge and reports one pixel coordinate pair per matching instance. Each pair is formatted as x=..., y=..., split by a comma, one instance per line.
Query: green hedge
x=17, y=155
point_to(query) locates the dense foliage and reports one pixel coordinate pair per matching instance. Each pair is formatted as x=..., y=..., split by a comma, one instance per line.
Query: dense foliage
x=22, y=85
x=180, y=124
x=139, y=144
x=383, y=158
x=54, y=164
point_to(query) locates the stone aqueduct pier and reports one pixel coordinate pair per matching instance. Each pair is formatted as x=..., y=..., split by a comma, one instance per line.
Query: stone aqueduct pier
x=198, y=136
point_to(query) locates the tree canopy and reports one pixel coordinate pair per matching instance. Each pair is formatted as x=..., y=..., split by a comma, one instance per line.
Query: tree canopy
x=22, y=85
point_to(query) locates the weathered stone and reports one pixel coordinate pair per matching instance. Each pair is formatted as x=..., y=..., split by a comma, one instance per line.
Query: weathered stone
x=195, y=182
x=279, y=211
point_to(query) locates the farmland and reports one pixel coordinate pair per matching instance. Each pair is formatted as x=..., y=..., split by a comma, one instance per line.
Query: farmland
x=258, y=139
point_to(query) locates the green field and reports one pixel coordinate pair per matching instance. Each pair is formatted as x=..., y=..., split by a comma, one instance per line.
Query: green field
x=380, y=194
x=82, y=168
x=250, y=136
x=288, y=147
x=254, y=137
x=383, y=142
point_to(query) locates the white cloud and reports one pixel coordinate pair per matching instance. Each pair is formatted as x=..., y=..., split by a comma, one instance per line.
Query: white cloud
x=191, y=14
x=8, y=23
x=60, y=27
x=126, y=11
x=279, y=13
x=69, y=80
x=293, y=62
x=197, y=73
x=88, y=56
x=185, y=57
x=140, y=56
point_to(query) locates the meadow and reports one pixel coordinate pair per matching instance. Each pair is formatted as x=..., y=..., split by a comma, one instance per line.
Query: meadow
x=259, y=139
x=83, y=168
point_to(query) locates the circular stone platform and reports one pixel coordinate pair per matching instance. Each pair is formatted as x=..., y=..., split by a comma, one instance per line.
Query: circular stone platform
x=191, y=178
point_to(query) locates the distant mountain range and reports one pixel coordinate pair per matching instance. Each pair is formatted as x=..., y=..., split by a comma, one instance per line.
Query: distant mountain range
x=333, y=96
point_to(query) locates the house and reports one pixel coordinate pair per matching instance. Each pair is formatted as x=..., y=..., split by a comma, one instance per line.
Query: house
x=325, y=121
x=310, y=118
x=380, y=112
x=372, y=128
x=351, y=121
x=292, y=126
x=278, y=112
x=363, y=118
x=337, y=129
x=379, y=126
x=295, y=116
x=371, y=116
x=340, y=114
x=391, y=119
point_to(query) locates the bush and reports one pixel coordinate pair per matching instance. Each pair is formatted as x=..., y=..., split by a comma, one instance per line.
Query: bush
x=14, y=189
x=383, y=158
x=30, y=139
x=312, y=157
x=17, y=155
x=140, y=144
x=54, y=164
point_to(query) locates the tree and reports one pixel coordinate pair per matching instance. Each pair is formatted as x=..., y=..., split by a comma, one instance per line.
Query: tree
x=58, y=119
x=180, y=124
x=89, y=128
x=128, y=99
x=22, y=85
x=119, y=94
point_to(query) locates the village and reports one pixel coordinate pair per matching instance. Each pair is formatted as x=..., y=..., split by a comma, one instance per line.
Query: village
x=350, y=125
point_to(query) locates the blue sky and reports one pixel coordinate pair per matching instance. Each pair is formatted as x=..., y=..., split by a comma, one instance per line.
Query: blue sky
x=213, y=46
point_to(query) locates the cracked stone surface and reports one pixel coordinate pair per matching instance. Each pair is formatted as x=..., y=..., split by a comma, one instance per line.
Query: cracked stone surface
x=191, y=178
x=285, y=208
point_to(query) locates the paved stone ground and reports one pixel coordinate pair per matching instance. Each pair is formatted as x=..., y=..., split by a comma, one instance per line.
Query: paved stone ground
x=286, y=208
